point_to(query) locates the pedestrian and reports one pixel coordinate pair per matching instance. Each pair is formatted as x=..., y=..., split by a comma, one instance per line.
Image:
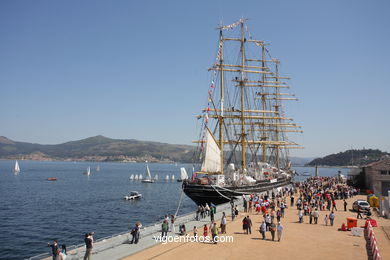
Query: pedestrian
x=164, y=228
x=292, y=200
x=54, y=249
x=245, y=225
x=249, y=221
x=310, y=217
x=172, y=224
x=88, y=245
x=245, y=205
x=316, y=215
x=135, y=232
x=62, y=254
x=272, y=229
x=334, y=205
x=205, y=231
x=279, y=230
x=262, y=229
x=359, y=213
x=326, y=219
x=300, y=216
x=223, y=223
x=345, y=205
x=214, y=233
x=212, y=215
x=195, y=232
x=331, y=218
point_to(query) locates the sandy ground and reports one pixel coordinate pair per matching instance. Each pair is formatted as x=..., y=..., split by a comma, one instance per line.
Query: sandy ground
x=299, y=241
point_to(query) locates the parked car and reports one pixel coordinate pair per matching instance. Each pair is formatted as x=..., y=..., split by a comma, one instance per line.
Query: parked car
x=362, y=204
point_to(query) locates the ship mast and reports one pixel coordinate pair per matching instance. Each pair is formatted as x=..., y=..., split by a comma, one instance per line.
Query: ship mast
x=221, y=121
x=242, y=86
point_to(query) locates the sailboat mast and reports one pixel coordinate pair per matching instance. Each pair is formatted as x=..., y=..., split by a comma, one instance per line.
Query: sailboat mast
x=243, y=137
x=263, y=103
x=277, y=146
x=221, y=121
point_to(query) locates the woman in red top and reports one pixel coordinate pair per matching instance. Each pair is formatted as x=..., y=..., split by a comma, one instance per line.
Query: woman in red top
x=205, y=231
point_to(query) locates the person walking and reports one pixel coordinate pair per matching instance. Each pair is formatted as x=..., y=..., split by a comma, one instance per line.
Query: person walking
x=135, y=232
x=245, y=225
x=272, y=229
x=205, y=231
x=359, y=213
x=279, y=230
x=316, y=215
x=326, y=219
x=331, y=218
x=214, y=233
x=223, y=223
x=345, y=205
x=334, y=205
x=88, y=245
x=262, y=230
x=249, y=221
x=164, y=228
x=310, y=216
x=300, y=216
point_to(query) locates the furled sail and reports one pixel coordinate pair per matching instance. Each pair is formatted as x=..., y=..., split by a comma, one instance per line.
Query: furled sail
x=212, y=160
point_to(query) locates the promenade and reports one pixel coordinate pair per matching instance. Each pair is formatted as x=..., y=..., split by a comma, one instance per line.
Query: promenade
x=299, y=241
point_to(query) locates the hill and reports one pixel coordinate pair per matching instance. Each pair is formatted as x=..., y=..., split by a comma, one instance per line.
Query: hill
x=97, y=148
x=350, y=157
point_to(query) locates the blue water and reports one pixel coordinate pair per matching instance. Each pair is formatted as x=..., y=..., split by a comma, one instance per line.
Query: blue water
x=34, y=211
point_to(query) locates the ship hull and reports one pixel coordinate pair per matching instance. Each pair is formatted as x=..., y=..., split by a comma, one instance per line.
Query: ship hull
x=202, y=194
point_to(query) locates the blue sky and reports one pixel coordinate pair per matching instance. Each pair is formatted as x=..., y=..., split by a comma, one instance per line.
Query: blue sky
x=138, y=69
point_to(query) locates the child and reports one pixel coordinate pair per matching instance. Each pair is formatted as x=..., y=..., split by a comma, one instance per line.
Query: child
x=195, y=232
x=205, y=231
x=326, y=220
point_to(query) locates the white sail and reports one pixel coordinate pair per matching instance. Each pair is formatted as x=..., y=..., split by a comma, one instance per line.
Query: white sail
x=212, y=160
x=89, y=171
x=140, y=177
x=136, y=177
x=132, y=177
x=156, y=177
x=148, y=176
x=167, y=178
x=16, y=168
x=173, y=177
x=183, y=173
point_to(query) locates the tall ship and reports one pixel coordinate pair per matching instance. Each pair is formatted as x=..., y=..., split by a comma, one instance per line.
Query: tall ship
x=243, y=146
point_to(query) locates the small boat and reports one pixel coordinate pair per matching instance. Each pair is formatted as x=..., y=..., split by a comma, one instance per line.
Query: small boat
x=136, y=177
x=131, y=177
x=167, y=178
x=133, y=195
x=156, y=177
x=88, y=171
x=140, y=177
x=52, y=179
x=173, y=177
x=183, y=174
x=148, y=178
x=16, y=168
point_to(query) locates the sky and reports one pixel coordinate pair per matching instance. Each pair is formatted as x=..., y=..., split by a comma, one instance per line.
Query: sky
x=138, y=69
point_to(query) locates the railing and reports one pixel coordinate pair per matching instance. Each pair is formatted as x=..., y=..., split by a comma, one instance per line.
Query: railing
x=102, y=244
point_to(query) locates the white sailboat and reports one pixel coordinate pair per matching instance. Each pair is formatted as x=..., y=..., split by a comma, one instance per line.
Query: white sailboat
x=136, y=177
x=167, y=178
x=140, y=177
x=88, y=171
x=183, y=174
x=16, y=168
x=131, y=177
x=173, y=177
x=148, y=178
x=156, y=177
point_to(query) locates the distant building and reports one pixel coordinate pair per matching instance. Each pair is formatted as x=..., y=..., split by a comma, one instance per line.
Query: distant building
x=377, y=176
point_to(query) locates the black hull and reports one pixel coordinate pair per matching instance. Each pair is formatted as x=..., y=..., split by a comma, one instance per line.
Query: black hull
x=202, y=194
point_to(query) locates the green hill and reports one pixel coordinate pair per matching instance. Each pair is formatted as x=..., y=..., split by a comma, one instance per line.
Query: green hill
x=349, y=157
x=97, y=148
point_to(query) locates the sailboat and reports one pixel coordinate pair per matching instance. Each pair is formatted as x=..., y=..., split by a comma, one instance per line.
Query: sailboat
x=148, y=178
x=16, y=168
x=156, y=177
x=173, y=177
x=183, y=174
x=88, y=171
x=243, y=146
x=167, y=178
x=131, y=177
x=136, y=177
x=140, y=177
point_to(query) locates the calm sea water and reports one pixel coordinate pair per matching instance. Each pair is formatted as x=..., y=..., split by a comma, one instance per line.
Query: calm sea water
x=34, y=211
